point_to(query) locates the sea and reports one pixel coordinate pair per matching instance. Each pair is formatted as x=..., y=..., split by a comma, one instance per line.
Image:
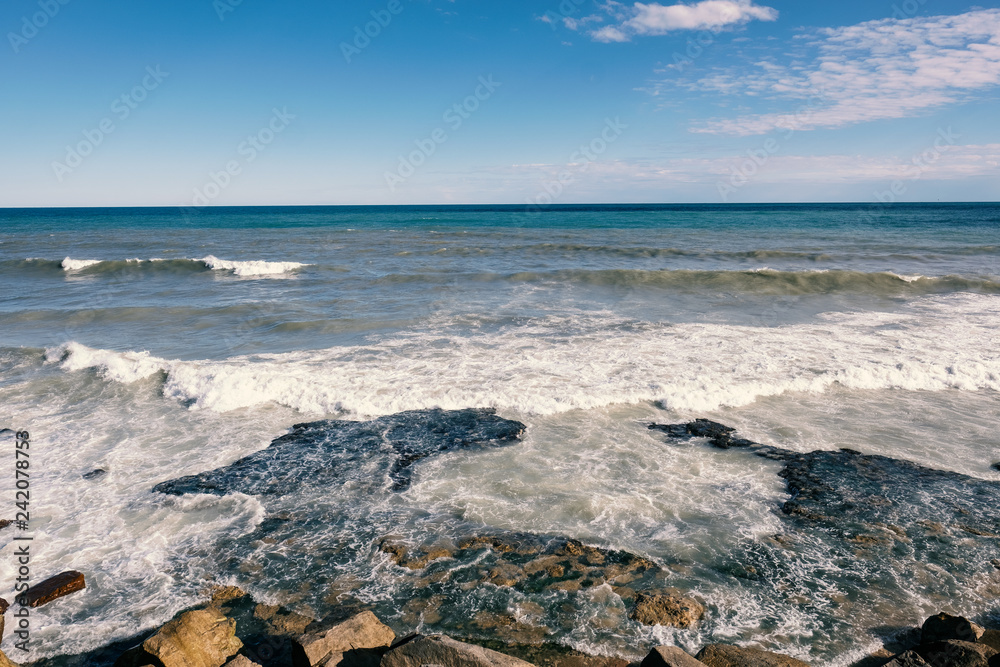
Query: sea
x=141, y=345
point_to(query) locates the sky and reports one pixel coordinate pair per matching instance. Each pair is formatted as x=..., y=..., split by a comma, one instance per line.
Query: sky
x=257, y=102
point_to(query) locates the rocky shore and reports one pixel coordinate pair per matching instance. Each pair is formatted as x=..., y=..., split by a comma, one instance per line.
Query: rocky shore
x=233, y=630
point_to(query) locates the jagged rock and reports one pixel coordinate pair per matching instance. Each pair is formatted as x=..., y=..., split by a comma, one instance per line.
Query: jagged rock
x=321, y=452
x=666, y=609
x=907, y=659
x=724, y=655
x=6, y=662
x=95, y=474
x=5, y=522
x=991, y=638
x=669, y=656
x=354, y=642
x=954, y=653
x=418, y=651
x=945, y=626
x=200, y=638
x=718, y=435
x=52, y=588
x=241, y=661
x=996, y=466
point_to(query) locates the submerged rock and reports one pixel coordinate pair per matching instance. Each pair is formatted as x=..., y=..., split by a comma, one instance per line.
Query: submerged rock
x=53, y=588
x=724, y=655
x=324, y=451
x=95, y=474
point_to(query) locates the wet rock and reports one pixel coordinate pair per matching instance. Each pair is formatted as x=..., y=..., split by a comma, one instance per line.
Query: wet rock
x=907, y=659
x=419, y=650
x=95, y=474
x=5, y=522
x=669, y=656
x=357, y=642
x=954, y=653
x=666, y=609
x=718, y=435
x=200, y=638
x=723, y=655
x=945, y=626
x=322, y=452
x=52, y=588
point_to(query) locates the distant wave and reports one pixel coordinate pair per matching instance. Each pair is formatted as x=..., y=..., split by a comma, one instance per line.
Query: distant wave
x=762, y=281
x=243, y=269
x=945, y=342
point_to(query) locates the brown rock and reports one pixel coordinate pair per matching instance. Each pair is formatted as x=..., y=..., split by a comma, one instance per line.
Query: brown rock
x=352, y=642
x=4, y=523
x=200, y=638
x=991, y=638
x=907, y=659
x=419, y=651
x=6, y=662
x=666, y=609
x=954, y=653
x=723, y=655
x=669, y=656
x=943, y=627
x=52, y=588
x=241, y=661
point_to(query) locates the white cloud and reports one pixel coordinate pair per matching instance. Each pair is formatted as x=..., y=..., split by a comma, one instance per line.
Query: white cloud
x=876, y=70
x=657, y=19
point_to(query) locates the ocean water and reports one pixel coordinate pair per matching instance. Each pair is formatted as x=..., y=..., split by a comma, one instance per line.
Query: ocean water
x=158, y=343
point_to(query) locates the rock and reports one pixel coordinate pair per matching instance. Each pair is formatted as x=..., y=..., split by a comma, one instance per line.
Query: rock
x=991, y=638
x=241, y=661
x=666, y=609
x=995, y=563
x=6, y=662
x=200, y=638
x=353, y=642
x=724, y=655
x=322, y=452
x=945, y=626
x=907, y=659
x=996, y=466
x=418, y=651
x=954, y=653
x=669, y=656
x=95, y=474
x=718, y=435
x=52, y=589
x=5, y=522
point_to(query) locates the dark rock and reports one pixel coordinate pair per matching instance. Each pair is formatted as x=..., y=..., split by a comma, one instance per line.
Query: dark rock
x=954, y=653
x=203, y=637
x=321, y=452
x=718, y=435
x=669, y=656
x=52, y=589
x=724, y=655
x=907, y=659
x=419, y=650
x=945, y=626
x=996, y=466
x=549, y=654
x=355, y=642
x=991, y=638
x=670, y=610
x=96, y=474
x=5, y=522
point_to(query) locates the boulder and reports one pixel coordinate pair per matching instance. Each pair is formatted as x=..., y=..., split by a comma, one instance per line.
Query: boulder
x=442, y=651
x=241, y=661
x=907, y=659
x=955, y=653
x=358, y=641
x=724, y=655
x=943, y=627
x=669, y=656
x=991, y=638
x=666, y=609
x=52, y=588
x=200, y=638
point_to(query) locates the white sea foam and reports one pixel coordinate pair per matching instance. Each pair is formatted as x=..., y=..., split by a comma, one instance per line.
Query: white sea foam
x=78, y=264
x=252, y=267
x=942, y=343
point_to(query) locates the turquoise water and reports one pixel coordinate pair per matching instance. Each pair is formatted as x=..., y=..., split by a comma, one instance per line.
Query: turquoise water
x=155, y=343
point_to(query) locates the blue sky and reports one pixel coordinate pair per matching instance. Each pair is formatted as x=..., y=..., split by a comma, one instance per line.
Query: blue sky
x=230, y=102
